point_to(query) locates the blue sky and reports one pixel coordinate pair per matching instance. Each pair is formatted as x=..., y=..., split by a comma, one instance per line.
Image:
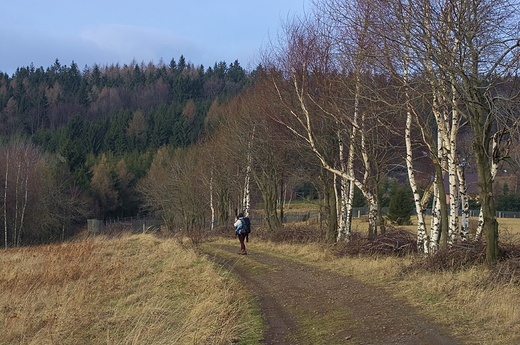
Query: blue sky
x=104, y=32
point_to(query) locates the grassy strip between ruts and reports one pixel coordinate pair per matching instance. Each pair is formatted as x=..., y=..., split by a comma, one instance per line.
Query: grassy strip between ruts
x=131, y=290
x=315, y=328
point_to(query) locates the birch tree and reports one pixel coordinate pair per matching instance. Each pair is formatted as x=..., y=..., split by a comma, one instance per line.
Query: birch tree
x=222, y=154
x=268, y=158
x=348, y=26
x=322, y=84
x=416, y=23
x=21, y=165
x=246, y=201
x=257, y=149
x=488, y=37
x=296, y=70
x=464, y=49
x=6, y=185
x=404, y=12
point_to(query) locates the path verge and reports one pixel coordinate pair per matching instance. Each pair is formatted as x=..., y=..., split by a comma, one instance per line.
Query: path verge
x=302, y=304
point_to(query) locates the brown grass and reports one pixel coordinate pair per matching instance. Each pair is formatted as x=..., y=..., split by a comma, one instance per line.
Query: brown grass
x=132, y=290
x=143, y=290
x=478, y=303
x=467, y=302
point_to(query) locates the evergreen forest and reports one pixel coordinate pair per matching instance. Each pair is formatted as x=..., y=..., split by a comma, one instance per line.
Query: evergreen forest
x=76, y=142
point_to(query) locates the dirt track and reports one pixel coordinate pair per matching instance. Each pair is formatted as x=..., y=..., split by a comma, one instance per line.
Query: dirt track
x=306, y=305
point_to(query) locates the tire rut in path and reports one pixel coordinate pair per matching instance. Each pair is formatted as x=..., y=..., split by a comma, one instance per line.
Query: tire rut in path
x=305, y=305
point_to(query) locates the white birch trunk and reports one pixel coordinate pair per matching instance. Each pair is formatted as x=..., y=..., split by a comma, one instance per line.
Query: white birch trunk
x=372, y=213
x=454, y=204
x=435, y=233
x=438, y=90
x=16, y=235
x=452, y=160
x=453, y=182
x=337, y=197
x=435, y=230
x=211, y=205
x=463, y=190
x=26, y=196
x=342, y=197
x=349, y=201
x=351, y=154
x=371, y=198
x=480, y=225
x=348, y=192
x=246, y=200
x=494, y=170
x=5, y=197
x=422, y=236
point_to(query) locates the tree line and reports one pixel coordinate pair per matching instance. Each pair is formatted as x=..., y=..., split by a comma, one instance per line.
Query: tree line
x=94, y=133
x=352, y=100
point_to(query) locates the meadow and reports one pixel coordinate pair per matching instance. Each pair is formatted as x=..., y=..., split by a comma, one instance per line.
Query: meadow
x=143, y=289
x=134, y=289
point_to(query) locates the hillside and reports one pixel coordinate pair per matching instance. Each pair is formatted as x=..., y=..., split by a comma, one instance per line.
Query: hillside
x=75, y=144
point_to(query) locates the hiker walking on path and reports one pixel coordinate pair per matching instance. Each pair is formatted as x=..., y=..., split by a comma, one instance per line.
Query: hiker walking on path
x=241, y=231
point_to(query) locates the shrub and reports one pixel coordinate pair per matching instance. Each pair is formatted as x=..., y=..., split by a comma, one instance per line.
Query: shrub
x=295, y=233
x=395, y=242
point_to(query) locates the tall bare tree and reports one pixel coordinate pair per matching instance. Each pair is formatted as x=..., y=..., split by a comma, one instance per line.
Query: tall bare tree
x=174, y=188
x=21, y=162
x=327, y=78
x=461, y=51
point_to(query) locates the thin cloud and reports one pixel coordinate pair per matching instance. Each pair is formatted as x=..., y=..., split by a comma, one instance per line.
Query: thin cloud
x=104, y=33
x=142, y=44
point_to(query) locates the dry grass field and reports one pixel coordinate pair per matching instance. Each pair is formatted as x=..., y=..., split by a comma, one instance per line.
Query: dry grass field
x=140, y=289
x=130, y=290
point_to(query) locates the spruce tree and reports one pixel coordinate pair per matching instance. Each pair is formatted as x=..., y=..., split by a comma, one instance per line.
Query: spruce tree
x=401, y=207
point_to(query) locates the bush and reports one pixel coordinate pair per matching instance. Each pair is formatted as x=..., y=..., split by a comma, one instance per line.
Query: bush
x=294, y=233
x=456, y=257
x=395, y=242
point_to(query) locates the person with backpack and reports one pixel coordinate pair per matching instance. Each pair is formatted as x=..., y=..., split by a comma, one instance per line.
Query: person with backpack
x=242, y=229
